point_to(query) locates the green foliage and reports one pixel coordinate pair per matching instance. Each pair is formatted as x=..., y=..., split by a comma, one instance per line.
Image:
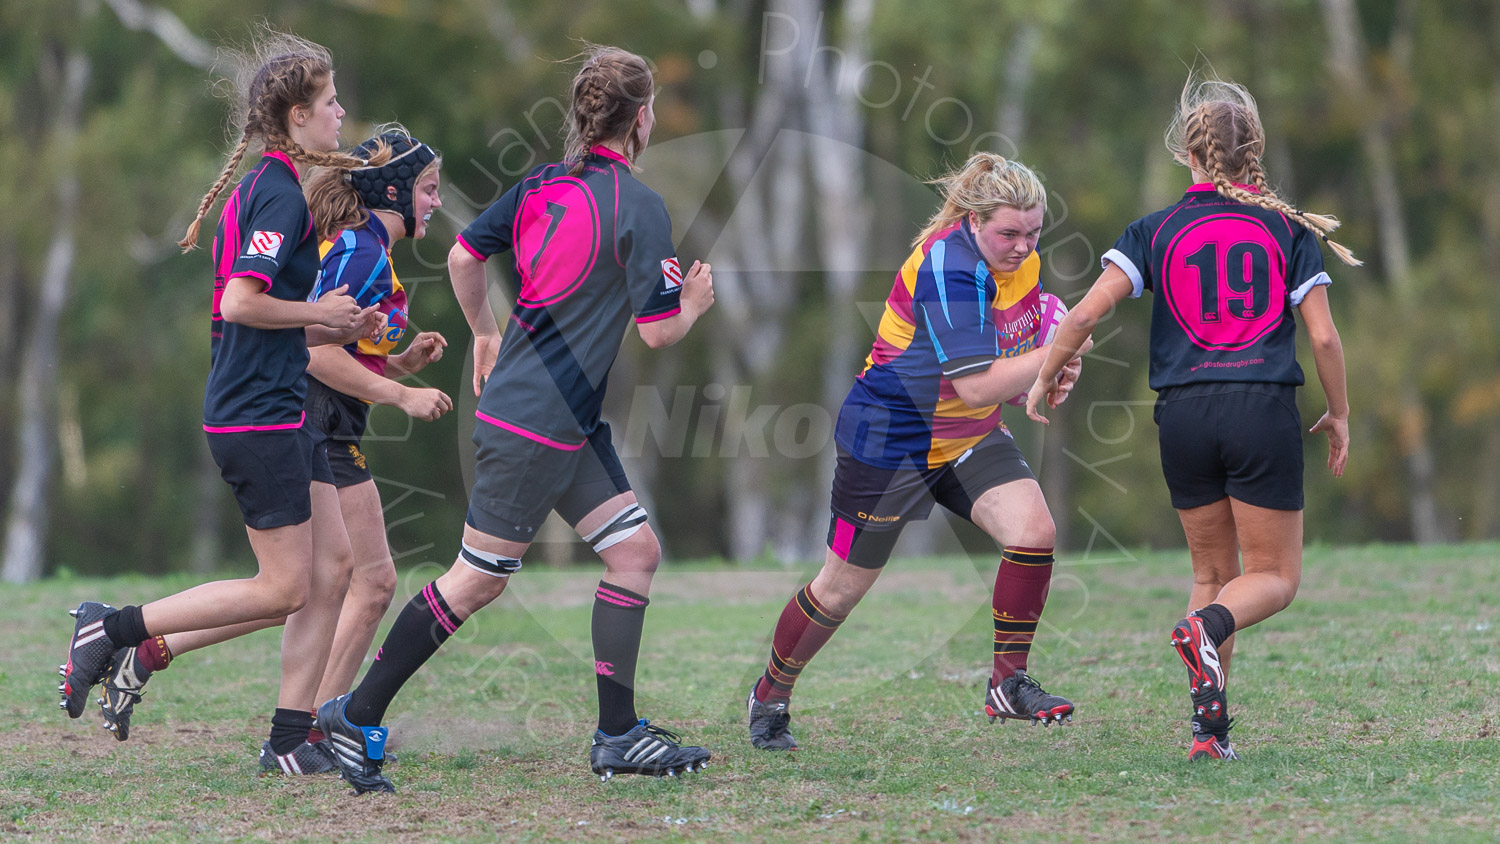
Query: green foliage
x=485, y=82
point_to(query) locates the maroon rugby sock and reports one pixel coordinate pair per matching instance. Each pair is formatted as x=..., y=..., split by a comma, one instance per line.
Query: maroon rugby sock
x=804, y=628
x=154, y=653
x=1020, y=594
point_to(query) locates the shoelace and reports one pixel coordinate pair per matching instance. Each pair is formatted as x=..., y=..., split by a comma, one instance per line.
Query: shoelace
x=663, y=733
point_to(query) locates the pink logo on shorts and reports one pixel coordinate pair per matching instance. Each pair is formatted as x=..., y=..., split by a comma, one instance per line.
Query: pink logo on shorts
x=605, y=668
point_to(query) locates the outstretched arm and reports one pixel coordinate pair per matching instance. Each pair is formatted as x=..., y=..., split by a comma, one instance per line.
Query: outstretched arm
x=1072, y=338
x=339, y=370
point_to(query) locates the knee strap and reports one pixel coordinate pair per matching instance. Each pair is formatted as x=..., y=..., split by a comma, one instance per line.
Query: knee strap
x=493, y=565
x=621, y=527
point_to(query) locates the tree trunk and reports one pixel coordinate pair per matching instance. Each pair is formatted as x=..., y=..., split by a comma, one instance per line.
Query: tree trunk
x=26, y=528
x=207, y=546
x=842, y=212
x=1348, y=61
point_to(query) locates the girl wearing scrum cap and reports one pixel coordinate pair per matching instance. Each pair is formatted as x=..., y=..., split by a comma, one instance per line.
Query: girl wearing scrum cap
x=358, y=214
x=265, y=257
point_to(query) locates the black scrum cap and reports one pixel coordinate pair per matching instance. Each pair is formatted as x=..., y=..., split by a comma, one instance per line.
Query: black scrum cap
x=389, y=187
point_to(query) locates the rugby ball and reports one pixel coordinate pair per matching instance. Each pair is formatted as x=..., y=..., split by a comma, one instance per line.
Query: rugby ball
x=1052, y=313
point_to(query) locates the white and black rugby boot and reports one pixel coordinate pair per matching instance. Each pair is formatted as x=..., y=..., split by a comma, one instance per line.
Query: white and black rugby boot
x=358, y=751
x=1023, y=698
x=645, y=749
x=122, y=690
x=89, y=655
x=304, y=759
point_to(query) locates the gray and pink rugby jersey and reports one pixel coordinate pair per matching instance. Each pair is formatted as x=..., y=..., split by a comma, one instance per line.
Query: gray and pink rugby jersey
x=255, y=382
x=1226, y=277
x=590, y=252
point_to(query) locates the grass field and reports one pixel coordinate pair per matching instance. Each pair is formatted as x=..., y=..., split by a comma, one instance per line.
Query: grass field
x=1368, y=711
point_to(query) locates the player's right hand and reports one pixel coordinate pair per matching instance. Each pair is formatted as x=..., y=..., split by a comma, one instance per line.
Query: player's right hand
x=338, y=310
x=424, y=403
x=486, y=350
x=698, y=287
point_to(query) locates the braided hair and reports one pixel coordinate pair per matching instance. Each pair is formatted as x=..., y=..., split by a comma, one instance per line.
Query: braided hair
x=1218, y=125
x=608, y=92
x=279, y=72
x=986, y=183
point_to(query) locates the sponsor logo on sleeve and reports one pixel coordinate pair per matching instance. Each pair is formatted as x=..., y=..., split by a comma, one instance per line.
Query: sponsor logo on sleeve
x=672, y=272
x=263, y=244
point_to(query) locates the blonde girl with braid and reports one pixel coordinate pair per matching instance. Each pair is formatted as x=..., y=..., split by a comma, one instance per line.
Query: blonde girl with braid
x=265, y=259
x=1229, y=264
x=921, y=426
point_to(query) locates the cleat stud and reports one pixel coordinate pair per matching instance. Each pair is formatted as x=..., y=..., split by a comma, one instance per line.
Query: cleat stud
x=671, y=772
x=73, y=613
x=62, y=687
x=62, y=704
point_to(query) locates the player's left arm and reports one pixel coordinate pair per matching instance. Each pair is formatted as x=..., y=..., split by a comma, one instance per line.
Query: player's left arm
x=667, y=303
x=1328, y=355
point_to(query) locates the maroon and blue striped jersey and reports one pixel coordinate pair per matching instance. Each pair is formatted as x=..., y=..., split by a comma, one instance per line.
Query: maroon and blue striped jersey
x=1226, y=277
x=947, y=316
x=590, y=251
x=361, y=259
x=255, y=381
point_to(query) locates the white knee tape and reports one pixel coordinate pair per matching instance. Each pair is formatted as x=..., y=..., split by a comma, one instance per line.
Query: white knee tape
x=619, y=528
x=493, y=565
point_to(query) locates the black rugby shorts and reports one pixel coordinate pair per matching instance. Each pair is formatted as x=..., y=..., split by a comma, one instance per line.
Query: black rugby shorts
x=519, y=480
x=339, y=420
x=270, y=472
x=1231, y=439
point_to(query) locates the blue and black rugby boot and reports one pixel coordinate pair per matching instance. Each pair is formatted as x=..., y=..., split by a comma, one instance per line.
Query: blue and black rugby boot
x=1022, y=698
x=89, y=655
x=358, y=751
x=645, y=749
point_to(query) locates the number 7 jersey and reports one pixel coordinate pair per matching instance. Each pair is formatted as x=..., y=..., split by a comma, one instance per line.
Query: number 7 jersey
x=1226, y=277
x=590, y=252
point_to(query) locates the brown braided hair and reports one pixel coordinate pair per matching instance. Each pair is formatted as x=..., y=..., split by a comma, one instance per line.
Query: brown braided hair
x=278, y=72
x=608, y=92
x=985, y=184
x=1218, y=128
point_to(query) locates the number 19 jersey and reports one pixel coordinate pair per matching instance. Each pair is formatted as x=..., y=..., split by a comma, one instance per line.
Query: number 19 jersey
x=1226, y=277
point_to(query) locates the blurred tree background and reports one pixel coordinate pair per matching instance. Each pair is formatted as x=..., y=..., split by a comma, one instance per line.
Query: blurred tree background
x=792, y=143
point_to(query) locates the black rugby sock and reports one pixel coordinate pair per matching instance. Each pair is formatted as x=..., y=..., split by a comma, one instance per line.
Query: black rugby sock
x=289, y=729
x=1218, y=623
x=126, y=628
x=424, y=624
x=619, y=615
